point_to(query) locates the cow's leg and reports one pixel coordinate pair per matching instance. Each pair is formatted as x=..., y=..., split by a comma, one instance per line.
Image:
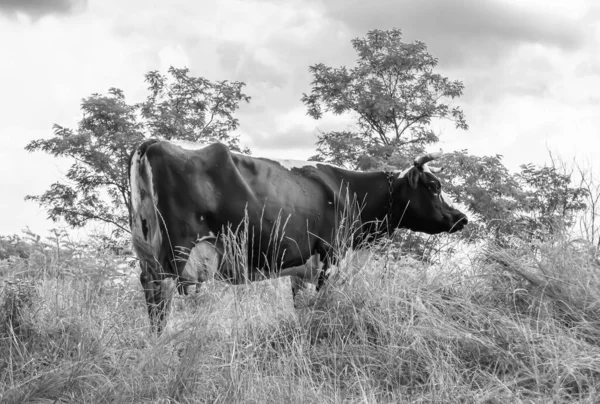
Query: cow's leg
x=298, y=284
x=301, y=274
x=325, y=255
x=158, y=292
x=323, y=276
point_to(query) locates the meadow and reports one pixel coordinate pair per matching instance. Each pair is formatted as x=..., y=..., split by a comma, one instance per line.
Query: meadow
x=518, y=324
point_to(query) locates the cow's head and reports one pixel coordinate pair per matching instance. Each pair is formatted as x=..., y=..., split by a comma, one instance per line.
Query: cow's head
x=419, y=203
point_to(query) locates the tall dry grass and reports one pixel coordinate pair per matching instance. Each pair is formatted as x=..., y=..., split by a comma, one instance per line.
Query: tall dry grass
x=515, y=325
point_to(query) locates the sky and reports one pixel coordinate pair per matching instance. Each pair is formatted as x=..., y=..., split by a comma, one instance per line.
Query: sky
x=531, y=70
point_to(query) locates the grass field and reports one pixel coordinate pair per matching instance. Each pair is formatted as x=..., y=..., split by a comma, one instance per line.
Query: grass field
x=517, y=325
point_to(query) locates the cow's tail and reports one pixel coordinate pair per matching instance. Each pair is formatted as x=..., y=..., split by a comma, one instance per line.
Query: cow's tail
x=147, y=236
x=145, y=229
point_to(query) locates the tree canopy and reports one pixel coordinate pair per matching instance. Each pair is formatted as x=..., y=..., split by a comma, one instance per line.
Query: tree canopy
x=533, y=202
x=96, y=187
x=394, y=94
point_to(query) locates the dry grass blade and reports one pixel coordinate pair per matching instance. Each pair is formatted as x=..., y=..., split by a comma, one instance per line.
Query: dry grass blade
x=509, y=325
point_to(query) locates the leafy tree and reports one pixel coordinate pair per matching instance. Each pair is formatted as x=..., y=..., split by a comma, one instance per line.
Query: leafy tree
x=394, y=94
x=530, y=204
x=589, y=219
x=551, y=203
x=193, y=108
x=25, y=245
x=14, y=246
x=486, y=187
x=96, y=187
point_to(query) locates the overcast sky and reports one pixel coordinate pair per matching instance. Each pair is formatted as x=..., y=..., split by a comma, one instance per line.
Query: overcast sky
x=531, y=69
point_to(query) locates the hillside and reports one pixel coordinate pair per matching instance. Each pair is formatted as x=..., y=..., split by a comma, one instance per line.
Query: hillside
x=501, y=326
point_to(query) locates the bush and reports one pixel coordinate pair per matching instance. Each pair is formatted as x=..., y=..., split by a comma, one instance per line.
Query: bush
x=16, y=299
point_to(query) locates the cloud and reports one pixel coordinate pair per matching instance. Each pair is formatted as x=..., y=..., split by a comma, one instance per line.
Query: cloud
x=39, y=8
x=297, y=143
x=589, y=67
x=296, y=137
x=259, y=65
x=459, y=31
x=276, y=69
x=292, y=131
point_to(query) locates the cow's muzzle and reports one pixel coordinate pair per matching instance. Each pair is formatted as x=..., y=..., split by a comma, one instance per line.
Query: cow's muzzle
x=460, y=222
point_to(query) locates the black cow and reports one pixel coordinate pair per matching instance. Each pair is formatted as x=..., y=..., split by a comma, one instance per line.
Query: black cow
x=186, y=199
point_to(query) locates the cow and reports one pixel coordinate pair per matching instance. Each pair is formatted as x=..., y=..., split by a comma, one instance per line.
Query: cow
x=186, y=200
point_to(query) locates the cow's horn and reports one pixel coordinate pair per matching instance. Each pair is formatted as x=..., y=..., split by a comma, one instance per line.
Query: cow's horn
x=419, y=161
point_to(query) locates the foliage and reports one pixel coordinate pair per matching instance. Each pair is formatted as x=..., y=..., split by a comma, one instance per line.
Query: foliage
x=17, y=298
x=179, y=106
x=485, y=186
x=394, y=94
x=14, y=246
x=551, y=201
x=589, y=225
x=193, y=108
x=536, y=202
x=100, y=148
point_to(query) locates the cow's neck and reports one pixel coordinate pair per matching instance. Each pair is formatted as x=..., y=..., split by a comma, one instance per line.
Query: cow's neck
x=372, y=191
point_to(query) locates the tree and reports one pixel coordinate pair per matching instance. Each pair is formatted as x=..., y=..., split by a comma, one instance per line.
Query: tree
x=394, y=94
x=551, y=203
x=589, y=221
x=541, y=195
x=96, y=186
x=193, y=108
x=531, y=204
x=14, y=246
x=486, y=187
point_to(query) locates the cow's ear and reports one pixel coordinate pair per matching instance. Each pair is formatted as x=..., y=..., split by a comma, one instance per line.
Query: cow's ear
x=413, y=176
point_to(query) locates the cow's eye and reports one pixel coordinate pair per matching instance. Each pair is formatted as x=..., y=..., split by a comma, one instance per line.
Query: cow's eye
x=433, y=187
